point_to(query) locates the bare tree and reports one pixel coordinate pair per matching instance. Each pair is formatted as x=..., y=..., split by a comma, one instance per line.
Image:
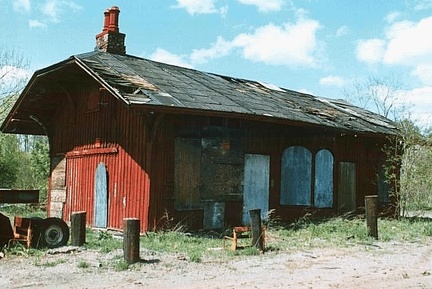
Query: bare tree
x=383, y=95
x=13, y=76
x=409, y=155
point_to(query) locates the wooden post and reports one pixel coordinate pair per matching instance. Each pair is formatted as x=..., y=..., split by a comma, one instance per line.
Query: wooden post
x=78, y=228
x=371, y=204
x=131, y=236
x=256, y=229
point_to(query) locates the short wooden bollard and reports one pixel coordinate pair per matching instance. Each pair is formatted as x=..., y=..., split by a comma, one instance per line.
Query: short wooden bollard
x=256, y=229
x=371, y=204
x=131, y=236
x=78, y=228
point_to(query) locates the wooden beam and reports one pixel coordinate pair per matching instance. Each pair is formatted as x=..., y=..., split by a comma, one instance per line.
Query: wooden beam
x=19, y=196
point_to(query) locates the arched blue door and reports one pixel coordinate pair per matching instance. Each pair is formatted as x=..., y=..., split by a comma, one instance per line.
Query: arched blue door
x=101, y=197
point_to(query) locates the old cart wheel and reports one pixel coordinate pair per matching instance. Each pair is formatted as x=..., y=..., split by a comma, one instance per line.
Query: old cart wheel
x=55, y=233
x=37, y=227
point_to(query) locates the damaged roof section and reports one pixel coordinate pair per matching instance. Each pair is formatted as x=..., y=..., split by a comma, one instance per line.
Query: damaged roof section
x=142, y=82
x=146, y=82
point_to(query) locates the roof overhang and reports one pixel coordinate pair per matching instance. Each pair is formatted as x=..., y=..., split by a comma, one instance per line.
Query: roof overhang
x=47, y=90
x=149, y=86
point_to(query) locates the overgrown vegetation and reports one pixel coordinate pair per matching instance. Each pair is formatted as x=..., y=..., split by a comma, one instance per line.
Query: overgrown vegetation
x=305, y=234
x=408, y=174
x=308, y=233
x=102, y=240
x=413, y=192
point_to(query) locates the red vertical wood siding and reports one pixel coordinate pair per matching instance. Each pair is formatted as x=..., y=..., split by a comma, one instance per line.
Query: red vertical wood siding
x=85, y=138
x=137, y=148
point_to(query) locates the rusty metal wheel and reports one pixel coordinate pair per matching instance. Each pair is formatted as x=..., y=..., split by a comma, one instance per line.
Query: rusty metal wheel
x=55, y=233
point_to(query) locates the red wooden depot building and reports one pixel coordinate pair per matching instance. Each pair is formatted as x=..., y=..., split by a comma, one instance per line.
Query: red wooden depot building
x=131, y=137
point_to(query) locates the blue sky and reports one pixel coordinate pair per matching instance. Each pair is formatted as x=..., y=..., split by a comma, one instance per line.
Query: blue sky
x=320, y=47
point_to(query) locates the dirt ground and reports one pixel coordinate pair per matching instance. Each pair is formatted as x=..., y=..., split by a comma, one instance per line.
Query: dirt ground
x=382, y=265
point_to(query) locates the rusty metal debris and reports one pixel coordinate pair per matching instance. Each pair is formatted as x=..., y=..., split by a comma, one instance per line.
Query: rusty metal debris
x=32, y=232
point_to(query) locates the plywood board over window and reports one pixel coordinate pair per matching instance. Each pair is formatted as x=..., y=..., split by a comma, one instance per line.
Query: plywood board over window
x=256, y=185
x=347, y=186
x=187, y=165
x=296, y=176
x=222, y=164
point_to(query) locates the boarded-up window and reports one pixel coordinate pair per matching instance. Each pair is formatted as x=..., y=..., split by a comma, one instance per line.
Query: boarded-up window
x=347, y=186
x=323, y=188
x=296, y=176
x=222, y=164
x=256, y=185
x=93, y=101
x=187, y=174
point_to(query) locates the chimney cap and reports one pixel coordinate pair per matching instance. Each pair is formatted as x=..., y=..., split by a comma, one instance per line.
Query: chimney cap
x=110, y=39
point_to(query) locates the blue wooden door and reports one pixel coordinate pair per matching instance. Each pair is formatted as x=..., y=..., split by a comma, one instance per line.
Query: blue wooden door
x=323, y=186
x=256, y=185
x=101, y=197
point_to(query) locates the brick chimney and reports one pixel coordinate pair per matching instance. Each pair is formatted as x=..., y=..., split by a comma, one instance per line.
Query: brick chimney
x=110, y=39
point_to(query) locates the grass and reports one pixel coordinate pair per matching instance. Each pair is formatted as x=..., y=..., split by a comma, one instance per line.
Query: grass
x=23, y=210
x=49, y=263
x=198, y=247
x=83, y=265
x=192, y=245
x=20, y=250
x=305, y=234
x=102, y=241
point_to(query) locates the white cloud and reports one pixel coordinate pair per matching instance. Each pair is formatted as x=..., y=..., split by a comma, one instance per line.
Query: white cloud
x=21, y=5
x=409, y=42
x=424, y=73
x=36, y=24
x=370, y=50
x=55, y=8
x=200, y=7
x=422, y=4
x=405, y=43
x=291, y=44
x=421, y=105
x=392, y=16
x=218, y=49
x=343, y=30
x=332, y=80
x=265, y=5
x=165, y=56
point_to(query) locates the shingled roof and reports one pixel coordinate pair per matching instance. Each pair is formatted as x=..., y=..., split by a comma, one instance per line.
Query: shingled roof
x=145, y=82
x=142, y=82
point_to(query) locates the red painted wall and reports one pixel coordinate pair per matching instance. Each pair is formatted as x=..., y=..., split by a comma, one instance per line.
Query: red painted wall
x=111, y=134
x=137, y=147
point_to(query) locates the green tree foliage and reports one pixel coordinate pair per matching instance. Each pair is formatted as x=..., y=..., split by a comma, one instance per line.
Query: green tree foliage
x=408, y=168
x=40, y=165
x=24, y=160
x=416, y=169
x=9, y=160
x=24, y=169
